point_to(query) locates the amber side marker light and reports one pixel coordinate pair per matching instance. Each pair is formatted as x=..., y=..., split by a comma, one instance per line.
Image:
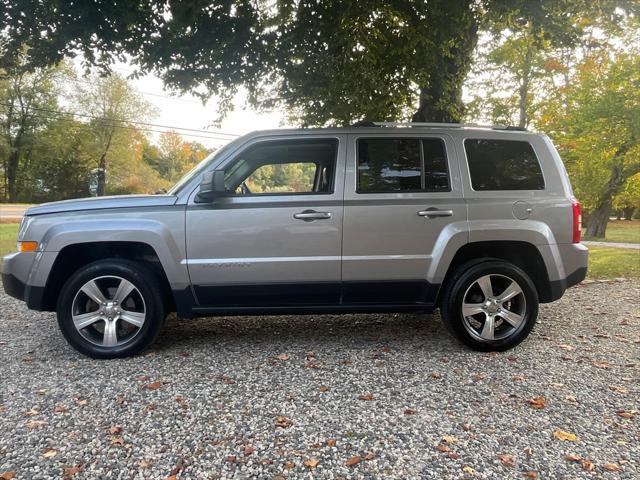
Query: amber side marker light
x=27, y=246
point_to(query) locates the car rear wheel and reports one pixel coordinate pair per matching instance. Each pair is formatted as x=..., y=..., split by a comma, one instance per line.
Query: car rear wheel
x=490, y=305
x=111, y=308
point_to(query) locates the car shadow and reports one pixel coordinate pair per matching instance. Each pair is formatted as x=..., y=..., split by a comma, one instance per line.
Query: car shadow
x=300, y=329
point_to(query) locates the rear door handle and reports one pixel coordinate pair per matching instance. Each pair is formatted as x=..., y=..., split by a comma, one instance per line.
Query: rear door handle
x=310, y=215
x=434, y=212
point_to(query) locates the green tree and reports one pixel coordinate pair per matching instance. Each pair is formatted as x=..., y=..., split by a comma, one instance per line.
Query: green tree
x=26, y=100
x=329, y=61
x=112, y=105
x=596, y=125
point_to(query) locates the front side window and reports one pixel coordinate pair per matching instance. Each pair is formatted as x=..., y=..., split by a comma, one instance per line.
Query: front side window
x=284, y=167
x=402, y=165
x=503, y=165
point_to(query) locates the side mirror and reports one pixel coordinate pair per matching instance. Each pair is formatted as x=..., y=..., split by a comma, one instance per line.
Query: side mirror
x=211, y=186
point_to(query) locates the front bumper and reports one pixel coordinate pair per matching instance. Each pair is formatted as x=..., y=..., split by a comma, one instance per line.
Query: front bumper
x=12, y=286
x=17, y=281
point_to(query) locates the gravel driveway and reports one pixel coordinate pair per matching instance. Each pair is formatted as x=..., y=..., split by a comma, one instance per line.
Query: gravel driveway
x=298, y=397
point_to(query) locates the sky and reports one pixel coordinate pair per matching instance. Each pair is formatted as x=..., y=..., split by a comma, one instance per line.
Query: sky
x=187, y=111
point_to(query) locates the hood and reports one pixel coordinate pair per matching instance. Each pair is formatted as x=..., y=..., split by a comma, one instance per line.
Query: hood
x=99, y=203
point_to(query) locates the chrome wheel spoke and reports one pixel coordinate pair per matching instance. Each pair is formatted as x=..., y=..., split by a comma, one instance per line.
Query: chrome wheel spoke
x=488, y=329
x=85, y=319
x=511, y=291
x=511, y=318
x=134, y=318
x=471, y=309
x=124, y=290
x=92, y=291
x=110, y=338
x=485, y=285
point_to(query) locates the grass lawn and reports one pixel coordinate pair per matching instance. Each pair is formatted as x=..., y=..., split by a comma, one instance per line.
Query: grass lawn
x=621, y=231
x=8, y=234
x=604, y=262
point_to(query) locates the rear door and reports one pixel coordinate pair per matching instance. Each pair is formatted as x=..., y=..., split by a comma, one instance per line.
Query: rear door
x=401, y=192
x=276, y=238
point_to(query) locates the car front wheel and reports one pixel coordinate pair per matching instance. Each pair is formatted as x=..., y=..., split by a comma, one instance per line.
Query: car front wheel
x=111, y=308
x=490, y=305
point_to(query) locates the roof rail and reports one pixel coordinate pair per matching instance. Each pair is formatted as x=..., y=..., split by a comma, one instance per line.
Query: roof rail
x=446, y=125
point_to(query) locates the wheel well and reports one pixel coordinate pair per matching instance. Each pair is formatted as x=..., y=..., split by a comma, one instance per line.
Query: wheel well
x=73, y=257
x=522, y=254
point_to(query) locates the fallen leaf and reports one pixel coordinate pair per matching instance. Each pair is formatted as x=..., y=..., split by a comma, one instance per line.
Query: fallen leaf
x=71, y=471
x=324, y=389
x=369, y=456
x=283, y=356
x=533, y=475
x=114, y=430
x=151, y=406
x=506, y=460
x=538, y=402
x=117, y=440
x=31, y=424
x=565, y=436
x=449, y=439
x=171, y=477
x=227, y=380
x=366, y=397
x=81, y=401
x=120, y=399
x=31, y=413
x=611, y=467
x=518, y=378
x=528, y=451
x=248, y=450
x=59, y=409
x=283, y=422
x=453, y=455
x=154, y=385
x=231, y=458
x=571, y=399
x=568, y=348
x=142, y=378
x=311, y=463
x=409, y=411
x=443, y=448
x=469, y=470
x=179, y=398
x=572, y=457
x=628, y=414
x=436, y=375
x=331, y=442
x=7, y=475
x=353, y=461
x=144, y=463
x=290, y=465
x=623, y=390
x=386, y=349
x=602, y=364
x=587, y=465
x=49, y=453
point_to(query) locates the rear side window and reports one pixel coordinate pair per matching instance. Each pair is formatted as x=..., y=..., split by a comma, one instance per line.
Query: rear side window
x=503, y=165
x=402, y=165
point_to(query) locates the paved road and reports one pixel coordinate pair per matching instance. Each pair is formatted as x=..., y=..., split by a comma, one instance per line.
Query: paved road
x=11, y=211
x=635, y=246
x=250, y=397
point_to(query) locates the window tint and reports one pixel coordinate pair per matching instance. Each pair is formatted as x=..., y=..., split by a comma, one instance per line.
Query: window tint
x=503, y=165
x=401, y=165
x=295, y=166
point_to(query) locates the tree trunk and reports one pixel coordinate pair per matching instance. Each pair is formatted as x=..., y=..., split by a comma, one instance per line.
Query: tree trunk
x=628, y=213
x=12, y=175
x=599, y=220
x=441, y=95
x=523, y=91
x=102, y=164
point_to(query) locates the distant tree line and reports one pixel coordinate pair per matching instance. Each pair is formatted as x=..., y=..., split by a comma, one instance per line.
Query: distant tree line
x=56, y=127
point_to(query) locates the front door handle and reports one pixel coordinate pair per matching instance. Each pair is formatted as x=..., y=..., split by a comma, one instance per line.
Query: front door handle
x=434, y=212
x=311, y=215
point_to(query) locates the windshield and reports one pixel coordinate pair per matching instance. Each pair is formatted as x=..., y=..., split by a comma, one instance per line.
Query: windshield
x=177, y=188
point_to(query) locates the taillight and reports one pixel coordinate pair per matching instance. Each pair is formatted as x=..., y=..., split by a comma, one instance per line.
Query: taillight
x=577, y=220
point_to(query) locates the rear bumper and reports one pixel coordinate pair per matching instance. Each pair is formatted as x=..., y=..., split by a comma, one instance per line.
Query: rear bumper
x=574, y=258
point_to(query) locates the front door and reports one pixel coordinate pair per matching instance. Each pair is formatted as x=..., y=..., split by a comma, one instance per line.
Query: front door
x=276, y=238
x=400, y=194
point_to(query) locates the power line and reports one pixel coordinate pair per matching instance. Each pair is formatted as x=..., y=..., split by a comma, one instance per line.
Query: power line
x=58, y=115
x=157, y=125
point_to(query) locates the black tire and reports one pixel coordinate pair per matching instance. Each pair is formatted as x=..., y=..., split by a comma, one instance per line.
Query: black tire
x=462, y=282
x=148, y=289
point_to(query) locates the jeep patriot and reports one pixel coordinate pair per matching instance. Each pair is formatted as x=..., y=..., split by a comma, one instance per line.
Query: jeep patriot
x=479, y=222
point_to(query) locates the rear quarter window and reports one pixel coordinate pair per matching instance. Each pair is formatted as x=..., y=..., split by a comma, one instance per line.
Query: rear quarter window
x=503, y=165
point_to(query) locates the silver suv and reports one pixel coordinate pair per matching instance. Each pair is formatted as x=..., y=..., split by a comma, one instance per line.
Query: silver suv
x=479, y=222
